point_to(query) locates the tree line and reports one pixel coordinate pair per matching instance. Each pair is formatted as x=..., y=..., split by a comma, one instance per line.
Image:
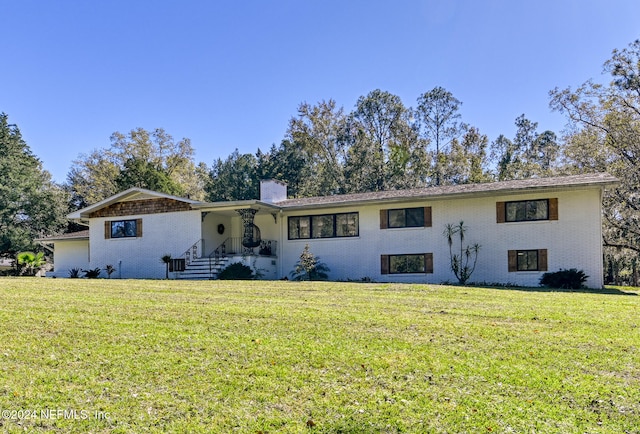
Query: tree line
x=380, y=144
x=384, y=145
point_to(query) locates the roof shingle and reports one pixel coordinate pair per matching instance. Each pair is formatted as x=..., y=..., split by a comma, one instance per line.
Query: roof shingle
x=572, y=181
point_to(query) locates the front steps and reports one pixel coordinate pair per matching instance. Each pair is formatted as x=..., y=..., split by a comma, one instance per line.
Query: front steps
x=201, y=269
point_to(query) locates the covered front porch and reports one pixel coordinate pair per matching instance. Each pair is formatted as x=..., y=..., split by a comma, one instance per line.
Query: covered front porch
x=246, y=232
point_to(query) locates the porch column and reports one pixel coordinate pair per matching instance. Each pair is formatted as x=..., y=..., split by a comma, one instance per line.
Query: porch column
x=251, y=232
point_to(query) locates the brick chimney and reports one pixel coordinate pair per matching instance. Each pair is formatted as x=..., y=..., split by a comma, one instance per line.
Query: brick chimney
x=272, y=191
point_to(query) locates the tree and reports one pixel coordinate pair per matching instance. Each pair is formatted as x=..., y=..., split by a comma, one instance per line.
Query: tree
x=466, y=160
x=544, y=153
x=233, y=179
x=31, y=205
x=318, y=132
x=92, y=178
x=142, y=173
x=378, y=118
x=604, y=122
x=529, y=153
x=503, y=152
x=287, y=163
x=385, y=151
x=309, y=267
x=137, y=159
x=438, y=115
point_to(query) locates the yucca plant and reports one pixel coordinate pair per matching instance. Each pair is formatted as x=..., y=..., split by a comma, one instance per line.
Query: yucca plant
x=464, y=263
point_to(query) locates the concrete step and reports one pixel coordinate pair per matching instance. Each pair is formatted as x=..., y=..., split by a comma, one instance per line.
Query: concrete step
x=202, y=269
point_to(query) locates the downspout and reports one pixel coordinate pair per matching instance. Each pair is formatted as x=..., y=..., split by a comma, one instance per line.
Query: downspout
x=602, y=259
x=281, y=248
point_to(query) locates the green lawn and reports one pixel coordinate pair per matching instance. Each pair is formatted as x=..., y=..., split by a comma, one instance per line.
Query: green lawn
x=113, y=356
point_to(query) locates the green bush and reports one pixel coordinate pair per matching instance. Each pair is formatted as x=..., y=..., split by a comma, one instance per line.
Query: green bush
x=236, y=271
x=564, y=279
x=92, y=274
x=29, y=263
x=309, y=267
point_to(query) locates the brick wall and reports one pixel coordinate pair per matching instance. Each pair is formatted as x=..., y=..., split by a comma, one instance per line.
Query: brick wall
x=572, y=241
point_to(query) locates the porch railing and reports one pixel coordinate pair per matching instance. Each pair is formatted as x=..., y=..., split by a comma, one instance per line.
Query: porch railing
x=193, y=252
x=233, y=247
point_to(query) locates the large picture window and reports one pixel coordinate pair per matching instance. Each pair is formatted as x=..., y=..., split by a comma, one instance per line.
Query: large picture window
x=324, y=226
x=527, y=210
x=405, y=218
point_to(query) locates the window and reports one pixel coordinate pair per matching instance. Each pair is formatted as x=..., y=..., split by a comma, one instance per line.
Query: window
x=324, y=226
x=406, y=264
x=528, y=260
x=123, y=229
x=299, y=227
x=405, y=218
x=527, y=210
x=347, y=225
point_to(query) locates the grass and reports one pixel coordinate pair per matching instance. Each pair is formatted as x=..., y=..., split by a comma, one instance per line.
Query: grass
x=113, y=356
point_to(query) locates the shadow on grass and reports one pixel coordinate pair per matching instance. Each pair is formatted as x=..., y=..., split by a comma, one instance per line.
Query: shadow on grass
x=605, y=291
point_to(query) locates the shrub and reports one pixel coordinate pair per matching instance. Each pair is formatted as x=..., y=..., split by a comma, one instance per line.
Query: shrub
x=110, y=269
x=74, y=273
x=236, y=271
x=29, y=263
x=564, y=279
x=166, y=260
x=309, y=267
x=92, y=274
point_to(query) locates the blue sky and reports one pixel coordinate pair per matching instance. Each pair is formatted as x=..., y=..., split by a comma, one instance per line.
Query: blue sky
x=231, y=74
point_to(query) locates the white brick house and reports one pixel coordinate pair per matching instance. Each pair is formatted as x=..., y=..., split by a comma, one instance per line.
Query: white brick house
x=524, y=227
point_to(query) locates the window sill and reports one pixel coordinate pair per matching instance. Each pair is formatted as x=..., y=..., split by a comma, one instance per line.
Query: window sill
x=527, y=222
x=417, y=273
x=411, y=228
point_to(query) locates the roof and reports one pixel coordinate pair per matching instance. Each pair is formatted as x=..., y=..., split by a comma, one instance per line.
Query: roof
x=130, y=194
x=80, y=235
x=490, y=188
x=594, y=180
x=229, y=208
